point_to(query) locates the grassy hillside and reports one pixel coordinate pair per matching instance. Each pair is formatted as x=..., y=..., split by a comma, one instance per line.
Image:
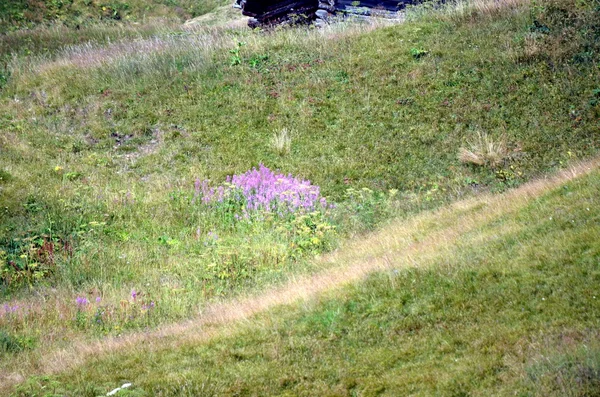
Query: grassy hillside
x=17, y=14
x=118, y=143
x=508, y=307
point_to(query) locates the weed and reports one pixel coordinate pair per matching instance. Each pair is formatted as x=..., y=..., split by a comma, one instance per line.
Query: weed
x=281, y=142
x=418, y=53
x=12, y=344
x=485, y=151
x=258, y=61
x=236, y=58
x=5, y=177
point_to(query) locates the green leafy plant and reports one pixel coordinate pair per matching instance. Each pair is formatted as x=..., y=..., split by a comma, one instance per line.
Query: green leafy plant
x=235, y=58
x=418, y=53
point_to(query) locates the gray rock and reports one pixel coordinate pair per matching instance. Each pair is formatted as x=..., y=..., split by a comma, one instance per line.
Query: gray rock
x=270, y=12
x=322, y=14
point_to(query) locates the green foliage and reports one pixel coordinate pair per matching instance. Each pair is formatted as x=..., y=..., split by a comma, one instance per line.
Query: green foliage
x=364, y=209
x=236, y=59
x=13, y=344
x=418, y=53
x=508, y=308
x=28, y=260
x=4, y=76
x=5, y=177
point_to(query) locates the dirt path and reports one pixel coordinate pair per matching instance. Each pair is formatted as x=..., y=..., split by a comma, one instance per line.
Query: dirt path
x=399, y=245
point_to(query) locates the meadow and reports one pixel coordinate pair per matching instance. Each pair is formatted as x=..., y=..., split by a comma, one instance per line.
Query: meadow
x=150, y=170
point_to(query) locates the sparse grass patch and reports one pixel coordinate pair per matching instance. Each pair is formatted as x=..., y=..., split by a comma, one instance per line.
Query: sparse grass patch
x=571, y=368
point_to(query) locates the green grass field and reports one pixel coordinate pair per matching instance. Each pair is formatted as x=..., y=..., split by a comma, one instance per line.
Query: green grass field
x=507, y=307
x=109, y=123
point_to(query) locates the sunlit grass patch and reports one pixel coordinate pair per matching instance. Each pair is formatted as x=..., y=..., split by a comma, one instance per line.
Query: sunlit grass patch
x=471, y=318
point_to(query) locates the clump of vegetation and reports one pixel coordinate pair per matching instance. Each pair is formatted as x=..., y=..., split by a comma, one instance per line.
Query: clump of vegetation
x=485, y=151
x=281, y=141
x=293, y=208
x=418, y=53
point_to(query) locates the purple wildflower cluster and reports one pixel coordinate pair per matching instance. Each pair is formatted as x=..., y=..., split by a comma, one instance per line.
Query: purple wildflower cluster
x=264, y=190
x=9, y=309
x=81, y=301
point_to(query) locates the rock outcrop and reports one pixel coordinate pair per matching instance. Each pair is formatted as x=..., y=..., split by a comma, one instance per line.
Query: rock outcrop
x=268, y=12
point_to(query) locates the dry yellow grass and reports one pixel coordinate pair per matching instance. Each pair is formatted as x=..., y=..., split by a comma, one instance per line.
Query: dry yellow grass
x=484, y=150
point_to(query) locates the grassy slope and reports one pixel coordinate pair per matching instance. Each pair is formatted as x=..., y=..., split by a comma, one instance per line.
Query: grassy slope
x=43, y=27
x=100, y=144
x=17, y=14
x=509, y=308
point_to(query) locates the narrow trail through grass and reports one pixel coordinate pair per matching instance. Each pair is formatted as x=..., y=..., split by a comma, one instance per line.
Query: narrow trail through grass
x=403, y=244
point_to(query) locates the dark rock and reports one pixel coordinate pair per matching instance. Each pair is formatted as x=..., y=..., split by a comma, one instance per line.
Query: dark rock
x=328, y=5
x=253, y=23
x=267, y=12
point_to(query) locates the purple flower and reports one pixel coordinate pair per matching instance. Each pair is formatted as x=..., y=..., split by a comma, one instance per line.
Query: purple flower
x=263, y=190
x=98, y=299
x=81, y=301
x=134, y=294
x=197, y=186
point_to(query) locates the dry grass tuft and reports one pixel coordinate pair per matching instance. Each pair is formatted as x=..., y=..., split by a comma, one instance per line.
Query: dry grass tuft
x=485, y=151
x=281, y=142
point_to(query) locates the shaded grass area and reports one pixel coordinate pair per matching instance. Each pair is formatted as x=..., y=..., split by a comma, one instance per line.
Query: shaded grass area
x=19, y=14
x=510, y=307
x=48, y=40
